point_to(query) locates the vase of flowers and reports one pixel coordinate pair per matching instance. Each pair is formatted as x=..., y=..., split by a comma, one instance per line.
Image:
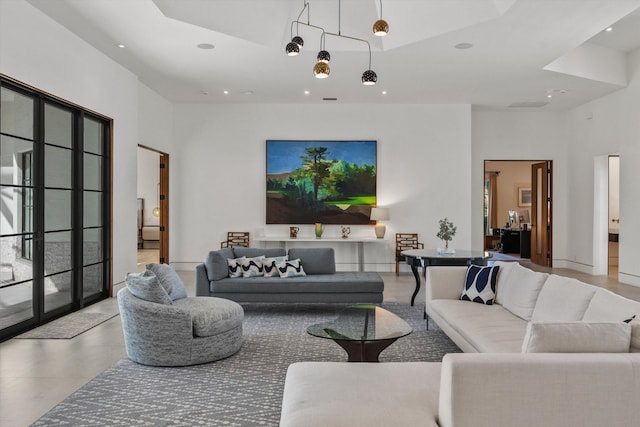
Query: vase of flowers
x=446, y=233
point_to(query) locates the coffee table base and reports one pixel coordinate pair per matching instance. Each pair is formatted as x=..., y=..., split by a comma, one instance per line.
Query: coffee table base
x=364, y=351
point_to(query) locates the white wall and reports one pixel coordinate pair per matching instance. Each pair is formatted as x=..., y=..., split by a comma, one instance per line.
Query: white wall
x=219, y=171
x=522, y=136
x=608, y=126
x=36, y=50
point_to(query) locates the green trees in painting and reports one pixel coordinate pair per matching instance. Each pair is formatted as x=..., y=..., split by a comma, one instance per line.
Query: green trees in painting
x=321, y=180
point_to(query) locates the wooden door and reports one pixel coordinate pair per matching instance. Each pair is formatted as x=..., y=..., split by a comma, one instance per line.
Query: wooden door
x=541, y=224
x=164, y=208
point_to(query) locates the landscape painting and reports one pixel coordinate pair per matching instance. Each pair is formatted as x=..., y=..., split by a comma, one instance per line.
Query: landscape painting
x=331, y=182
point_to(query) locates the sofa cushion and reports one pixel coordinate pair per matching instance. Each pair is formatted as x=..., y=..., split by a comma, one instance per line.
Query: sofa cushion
x=315, y=260
x=216, y=263
x=212, y=316
x=607, y=306
x=169, y=280
x=240, y=251
x=503, y=277
x=563, y=299
x=146, y=286
x=291, y=268
x=577, y=337
x=488, y=328
x=480, y=284
x=252, y=267
x=520, y=292
x=234, y=266
x=635, y=338
x=269, y=265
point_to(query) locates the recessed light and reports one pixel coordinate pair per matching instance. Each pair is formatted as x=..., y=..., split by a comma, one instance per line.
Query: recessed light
x=384, y=92
x=549, y=96
x=121, y=46
x=609, y=29
x=306, y=92
x=248, y=92
x=226, y=92
x=463, y=46
x=206, y=46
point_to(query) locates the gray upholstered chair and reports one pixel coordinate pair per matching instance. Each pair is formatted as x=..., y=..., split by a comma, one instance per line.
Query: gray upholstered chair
x=164, y=327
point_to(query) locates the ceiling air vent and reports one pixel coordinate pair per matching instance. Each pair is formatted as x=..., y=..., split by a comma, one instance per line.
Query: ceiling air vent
x=329, y=99
x=528, y=104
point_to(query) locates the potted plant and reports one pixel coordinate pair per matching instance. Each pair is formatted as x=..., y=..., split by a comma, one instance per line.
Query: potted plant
x=447, y=231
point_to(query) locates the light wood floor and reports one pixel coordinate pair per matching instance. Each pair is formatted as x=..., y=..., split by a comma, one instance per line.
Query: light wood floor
x=146, y=256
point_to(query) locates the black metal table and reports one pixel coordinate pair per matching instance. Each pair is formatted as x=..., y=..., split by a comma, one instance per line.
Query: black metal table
x=427, y=257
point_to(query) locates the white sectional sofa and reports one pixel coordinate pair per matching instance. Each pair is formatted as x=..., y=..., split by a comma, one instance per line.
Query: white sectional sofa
x=550, y=351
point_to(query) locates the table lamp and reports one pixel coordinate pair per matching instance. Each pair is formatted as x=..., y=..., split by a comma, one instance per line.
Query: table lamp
x=379, y=214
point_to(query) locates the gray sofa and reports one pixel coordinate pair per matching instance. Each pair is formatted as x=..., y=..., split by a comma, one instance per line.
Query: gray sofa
x=322, y=282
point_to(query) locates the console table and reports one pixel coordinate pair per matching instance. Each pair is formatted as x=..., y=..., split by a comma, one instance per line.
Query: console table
x=426, y=257
x=516, y=241
x=358, y=241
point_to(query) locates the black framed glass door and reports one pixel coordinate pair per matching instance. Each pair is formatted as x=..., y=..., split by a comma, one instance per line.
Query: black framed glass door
x=54, y=215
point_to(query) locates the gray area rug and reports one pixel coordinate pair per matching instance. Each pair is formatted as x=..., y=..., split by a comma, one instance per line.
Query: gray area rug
x=68, y=326
x=242, y=390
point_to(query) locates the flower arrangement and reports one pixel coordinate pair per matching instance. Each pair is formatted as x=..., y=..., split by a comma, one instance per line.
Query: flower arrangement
x=447, y=231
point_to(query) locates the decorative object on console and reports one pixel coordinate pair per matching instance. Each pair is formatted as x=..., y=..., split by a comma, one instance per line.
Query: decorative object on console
x=446, y=232
x=332, y=182
x=345, y=232
x=379, y=214
x=293, y=232
x=321, y=69
x=319, y=230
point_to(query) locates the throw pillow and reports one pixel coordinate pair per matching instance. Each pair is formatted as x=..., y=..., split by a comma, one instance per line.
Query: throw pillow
x=562, y=300
x=520, y=294
x=577, y=337
x=269, y=265
x=635, y=337
x=169, y=280
x=147, y=287
x=480, y=284
x=234, y=266
x=252, y=267
x=292, y=268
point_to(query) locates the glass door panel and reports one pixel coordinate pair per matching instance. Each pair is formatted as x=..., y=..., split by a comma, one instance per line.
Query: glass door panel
x=58, y=291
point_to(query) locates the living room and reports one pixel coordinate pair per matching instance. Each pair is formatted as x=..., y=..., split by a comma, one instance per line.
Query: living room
x=430, y=155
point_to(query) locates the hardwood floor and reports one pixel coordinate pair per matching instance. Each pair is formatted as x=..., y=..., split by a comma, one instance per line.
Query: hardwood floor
x=146, y=256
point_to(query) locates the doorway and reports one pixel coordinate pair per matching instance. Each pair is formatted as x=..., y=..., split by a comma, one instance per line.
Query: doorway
x=153, y=206
x=614, y=215
x=517, y=210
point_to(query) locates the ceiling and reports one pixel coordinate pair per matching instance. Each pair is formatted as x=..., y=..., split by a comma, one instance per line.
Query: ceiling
x=539, y=55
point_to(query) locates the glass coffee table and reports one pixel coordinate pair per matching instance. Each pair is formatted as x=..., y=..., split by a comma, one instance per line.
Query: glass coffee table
x=363, y=331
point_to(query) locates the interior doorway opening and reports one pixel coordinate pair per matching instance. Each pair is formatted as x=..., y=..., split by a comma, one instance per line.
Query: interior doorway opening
x=614, y=215
x=517, y=210
x=153, y=207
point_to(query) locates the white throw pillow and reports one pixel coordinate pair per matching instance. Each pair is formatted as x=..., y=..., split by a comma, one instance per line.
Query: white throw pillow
x=577, y=337
x=502, y=281
x=252, y=267
x=292, y=268
x=521, y=292
x=605, y=306
x=233, y=265
x=562, y=300
x=270, y=265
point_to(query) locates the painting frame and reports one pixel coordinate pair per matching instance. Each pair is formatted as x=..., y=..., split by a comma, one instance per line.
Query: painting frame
x=326, y=181
x=524, y=196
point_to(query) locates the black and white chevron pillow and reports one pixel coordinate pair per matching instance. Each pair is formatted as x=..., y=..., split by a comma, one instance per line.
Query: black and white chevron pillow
x=480, y=284
x=291, y=268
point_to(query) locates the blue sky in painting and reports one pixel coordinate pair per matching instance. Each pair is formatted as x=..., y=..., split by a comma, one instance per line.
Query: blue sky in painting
x=285, y=156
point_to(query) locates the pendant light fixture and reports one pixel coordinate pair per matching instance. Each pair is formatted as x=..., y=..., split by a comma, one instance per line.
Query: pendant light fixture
x=380, y=27
x=321, y=69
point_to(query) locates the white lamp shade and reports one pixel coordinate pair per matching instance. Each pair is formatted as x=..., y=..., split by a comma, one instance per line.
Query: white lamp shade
x=379, y=214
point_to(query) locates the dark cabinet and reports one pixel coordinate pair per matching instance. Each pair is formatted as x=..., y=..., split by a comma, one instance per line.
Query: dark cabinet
x=515, y=241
